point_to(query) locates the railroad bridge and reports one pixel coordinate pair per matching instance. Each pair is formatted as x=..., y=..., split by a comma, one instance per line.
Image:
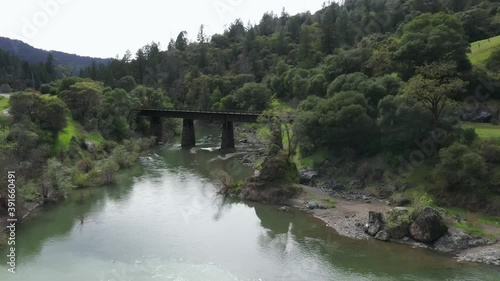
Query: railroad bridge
x=227, y=118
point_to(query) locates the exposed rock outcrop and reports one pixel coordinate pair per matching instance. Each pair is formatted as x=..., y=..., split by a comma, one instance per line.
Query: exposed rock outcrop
x=481, y=114
x=382, y=236
x=275, y=181
x=375, y=223
x=398, y=223
x=308, y=176
x=428, y=227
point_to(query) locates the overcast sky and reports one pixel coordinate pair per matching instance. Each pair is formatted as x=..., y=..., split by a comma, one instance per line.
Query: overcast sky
x=106, y=28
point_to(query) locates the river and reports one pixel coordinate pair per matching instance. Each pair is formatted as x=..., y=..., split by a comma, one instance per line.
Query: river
x=163, y=220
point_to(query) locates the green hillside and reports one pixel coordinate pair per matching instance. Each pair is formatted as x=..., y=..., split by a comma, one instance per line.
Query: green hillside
x=4, y=103
x=481, y=50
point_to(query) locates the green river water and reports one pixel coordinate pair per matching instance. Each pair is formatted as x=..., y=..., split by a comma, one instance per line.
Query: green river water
x=164, y=221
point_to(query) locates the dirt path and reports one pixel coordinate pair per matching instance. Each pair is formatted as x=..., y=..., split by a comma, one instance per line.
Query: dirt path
x=347, y=218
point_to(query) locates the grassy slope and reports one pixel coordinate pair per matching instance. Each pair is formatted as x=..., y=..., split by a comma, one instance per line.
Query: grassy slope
x=64, y=138
x=481, y=50
x=484, y=130
x=4, y=103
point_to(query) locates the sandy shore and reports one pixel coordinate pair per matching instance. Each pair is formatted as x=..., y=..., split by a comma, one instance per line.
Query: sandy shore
x=349, y=217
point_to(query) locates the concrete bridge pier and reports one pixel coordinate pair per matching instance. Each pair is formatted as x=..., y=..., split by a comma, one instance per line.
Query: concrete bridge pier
x=156, y=127
x=227, y=140
x=188, y=137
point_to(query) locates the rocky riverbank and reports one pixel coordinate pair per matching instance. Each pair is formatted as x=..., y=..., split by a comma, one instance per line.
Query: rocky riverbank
x=364, y=218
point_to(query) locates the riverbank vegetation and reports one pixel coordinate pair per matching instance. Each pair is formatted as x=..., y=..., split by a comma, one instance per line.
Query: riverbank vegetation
x=377, y=90
x=78, y=135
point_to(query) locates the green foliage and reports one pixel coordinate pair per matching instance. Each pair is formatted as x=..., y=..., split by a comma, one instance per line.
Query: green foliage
x=84, y=100
x=482, y=50
x=4, y=103
x=64, y=138
x=29, y=191
x=252, y=96
x=431, y=38
x=459, y=166
x=339, y=122
x=122, y=157
x=48, y=113
x=5, y=89
x=484, y=131
x=57, y=178
x=330, y=202
x=434, y=87
x=471, y=228
x=493, y=62
x=127, y=83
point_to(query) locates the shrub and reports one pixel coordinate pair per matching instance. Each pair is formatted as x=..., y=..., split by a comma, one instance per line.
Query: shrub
x=5, y=89
x=29, y=191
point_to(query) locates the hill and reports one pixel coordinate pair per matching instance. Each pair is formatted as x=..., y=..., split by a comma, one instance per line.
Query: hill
x=481, y=50
x=34, y=55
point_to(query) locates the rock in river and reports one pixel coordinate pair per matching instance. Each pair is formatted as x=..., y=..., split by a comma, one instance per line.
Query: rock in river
x=382, y=236
x=455, y=240
x=428, y=227
x=375, y=223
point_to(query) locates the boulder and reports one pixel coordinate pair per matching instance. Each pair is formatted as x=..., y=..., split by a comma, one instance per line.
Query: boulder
x=398, y=223
x=454, y=240
x=428, y=227
x=312, y=205
x=375, y=223
x=400, y=200
x=90, y=147
x=285, y=209
x=308, y=176
x=481, y=114
x=382, y=236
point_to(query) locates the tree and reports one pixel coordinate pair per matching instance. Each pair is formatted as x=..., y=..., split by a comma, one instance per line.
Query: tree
x=127, y=83
x=117, y=119
x=279, y=120
x=202, y=37
x=252, y=96
x=431, y=38
x=181, y=42
x=84, y=100
x=401, y=122
x=339, y=122
x=434, y=86
x=56, y=179
x=460, y=167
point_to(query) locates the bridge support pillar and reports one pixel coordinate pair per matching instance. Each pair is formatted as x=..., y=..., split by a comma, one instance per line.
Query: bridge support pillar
x=227, y=140
x=156, y=128
x=188, y=138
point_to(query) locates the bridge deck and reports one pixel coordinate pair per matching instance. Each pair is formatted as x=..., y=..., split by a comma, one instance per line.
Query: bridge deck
x=215, y=115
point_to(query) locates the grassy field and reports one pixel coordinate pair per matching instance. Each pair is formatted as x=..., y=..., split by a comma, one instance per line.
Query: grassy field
x=481, y=50
x=484, y=130
x=4, y=103
x=65, y=136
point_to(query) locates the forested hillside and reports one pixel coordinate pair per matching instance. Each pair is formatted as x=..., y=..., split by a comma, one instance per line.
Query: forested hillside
x=377, y=85
x=22, y=65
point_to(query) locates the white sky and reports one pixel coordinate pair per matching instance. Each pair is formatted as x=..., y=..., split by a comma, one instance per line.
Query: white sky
x=105, y=28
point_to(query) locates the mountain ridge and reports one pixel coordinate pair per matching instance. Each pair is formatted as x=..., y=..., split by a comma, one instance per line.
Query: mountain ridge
x=35, y=55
